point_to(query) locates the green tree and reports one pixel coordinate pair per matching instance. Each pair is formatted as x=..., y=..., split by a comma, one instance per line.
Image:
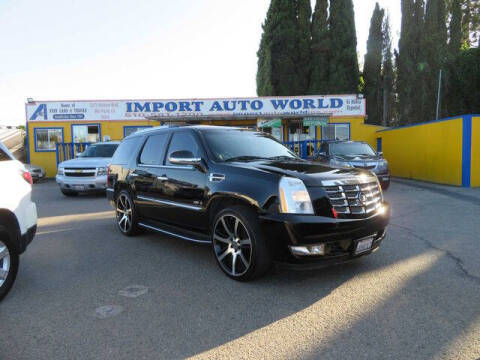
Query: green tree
x=278, y=52
x=435, y=53
x=372, y=71
x=410, y=62
x=455, y=28
x=463, y=93
x=304, y=64
x=388, y=75
x=343, y=61
x=320, y=49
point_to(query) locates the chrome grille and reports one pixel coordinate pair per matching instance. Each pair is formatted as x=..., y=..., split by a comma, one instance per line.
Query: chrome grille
x=355, y=199
x=80, y=172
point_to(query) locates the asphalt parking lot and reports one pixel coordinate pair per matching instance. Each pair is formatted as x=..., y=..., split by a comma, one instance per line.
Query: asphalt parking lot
x=86, y=292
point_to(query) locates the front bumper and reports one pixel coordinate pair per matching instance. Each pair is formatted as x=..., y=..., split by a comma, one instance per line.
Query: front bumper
x=82, y=183
x=27, y=238
x=340, y=236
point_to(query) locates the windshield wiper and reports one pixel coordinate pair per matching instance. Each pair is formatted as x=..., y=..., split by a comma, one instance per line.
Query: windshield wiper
x=245, y=158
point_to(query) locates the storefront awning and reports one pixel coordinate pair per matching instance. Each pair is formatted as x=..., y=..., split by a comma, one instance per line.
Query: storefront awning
x=274, y=123
x=315, y=121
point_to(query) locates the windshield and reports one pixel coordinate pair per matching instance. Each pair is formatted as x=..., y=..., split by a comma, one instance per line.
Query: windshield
x=245, y=145
x=351, y=149
x=106, y=150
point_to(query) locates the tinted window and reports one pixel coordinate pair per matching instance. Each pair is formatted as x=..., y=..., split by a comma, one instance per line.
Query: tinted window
x=183, y=142
x=106, y=150
x=231, y=145
x=125, y=151
x=351, y=149
x=154, y=150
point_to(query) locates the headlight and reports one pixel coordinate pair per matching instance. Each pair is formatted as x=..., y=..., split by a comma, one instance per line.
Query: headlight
x=102, y=171
x=294, y=197
x=339, y=163
x=60, y=171
x=383, y=165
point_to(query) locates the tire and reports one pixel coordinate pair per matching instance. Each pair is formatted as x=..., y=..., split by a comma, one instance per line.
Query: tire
x=126, y=216
x=69, y=193
x=9, y=261
x=239, y=245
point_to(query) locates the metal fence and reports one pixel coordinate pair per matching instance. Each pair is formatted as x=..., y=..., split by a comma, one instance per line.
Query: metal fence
x=68, y=151
x=304, y=149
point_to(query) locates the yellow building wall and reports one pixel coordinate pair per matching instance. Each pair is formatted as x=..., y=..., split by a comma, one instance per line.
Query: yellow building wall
x=429, y=152
x=359, y=131
x=48, y=160
x=475, y=169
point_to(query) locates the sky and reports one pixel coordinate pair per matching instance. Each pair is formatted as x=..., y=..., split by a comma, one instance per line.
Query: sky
x=125, y=49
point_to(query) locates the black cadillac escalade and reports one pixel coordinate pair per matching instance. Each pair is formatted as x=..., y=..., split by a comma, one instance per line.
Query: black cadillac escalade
x=247, y=195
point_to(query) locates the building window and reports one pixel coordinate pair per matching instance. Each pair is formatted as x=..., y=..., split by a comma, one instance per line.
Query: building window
x=47, y=138
x=336, y=132
x=86, y=133
x=129, y=130
x=298, y=132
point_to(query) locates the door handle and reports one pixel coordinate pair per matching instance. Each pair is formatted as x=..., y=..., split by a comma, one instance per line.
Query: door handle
x=162, y=178
x=133, y=175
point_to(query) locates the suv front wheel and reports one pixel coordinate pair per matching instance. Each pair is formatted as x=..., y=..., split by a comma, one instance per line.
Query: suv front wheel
x=125, y=214
x=9, y=259
x=239, y=245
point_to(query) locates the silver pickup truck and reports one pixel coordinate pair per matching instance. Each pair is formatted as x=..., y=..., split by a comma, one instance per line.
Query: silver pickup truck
x=87, y=172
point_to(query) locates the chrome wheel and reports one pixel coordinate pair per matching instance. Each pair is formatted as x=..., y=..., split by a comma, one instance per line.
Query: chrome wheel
x=4, y=262
x=124, y=213
x=232, y=244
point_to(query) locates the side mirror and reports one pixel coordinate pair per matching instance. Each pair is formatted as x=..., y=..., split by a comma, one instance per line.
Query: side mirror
x=185, y=157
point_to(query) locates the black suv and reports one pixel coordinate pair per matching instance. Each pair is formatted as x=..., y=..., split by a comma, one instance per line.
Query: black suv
x=355, y=154
x=247, y=195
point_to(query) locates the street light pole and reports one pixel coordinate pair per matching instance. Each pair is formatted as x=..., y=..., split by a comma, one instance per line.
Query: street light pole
x=439, y=93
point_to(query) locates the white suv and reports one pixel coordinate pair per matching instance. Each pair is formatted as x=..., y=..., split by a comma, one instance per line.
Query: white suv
x=18, y=216
x=88, y=172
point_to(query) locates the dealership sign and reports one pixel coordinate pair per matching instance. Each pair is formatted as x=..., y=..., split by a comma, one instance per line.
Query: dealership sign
x=302, y=106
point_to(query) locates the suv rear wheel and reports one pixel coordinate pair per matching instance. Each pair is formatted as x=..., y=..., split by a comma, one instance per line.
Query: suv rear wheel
x=239, y=245
x=125, y=214
x=8, y=262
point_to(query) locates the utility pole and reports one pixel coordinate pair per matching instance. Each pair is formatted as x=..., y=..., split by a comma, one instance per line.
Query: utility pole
x=384, y=122
x=439, y=94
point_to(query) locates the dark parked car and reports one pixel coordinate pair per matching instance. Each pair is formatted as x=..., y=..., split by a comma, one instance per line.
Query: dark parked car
x=355, y=154
x=247, y=195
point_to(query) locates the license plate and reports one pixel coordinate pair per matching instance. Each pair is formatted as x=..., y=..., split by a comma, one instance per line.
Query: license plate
x=78, y=187
x=364, y=245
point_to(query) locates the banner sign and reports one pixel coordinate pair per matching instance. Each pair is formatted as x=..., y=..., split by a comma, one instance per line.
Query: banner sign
x=315, y=121
x=235, y=108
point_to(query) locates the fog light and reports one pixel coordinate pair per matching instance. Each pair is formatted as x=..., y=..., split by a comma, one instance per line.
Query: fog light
x=311, y=250
x=381, y=210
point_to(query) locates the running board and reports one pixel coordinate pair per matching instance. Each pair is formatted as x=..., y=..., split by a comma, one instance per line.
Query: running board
x=171, y=233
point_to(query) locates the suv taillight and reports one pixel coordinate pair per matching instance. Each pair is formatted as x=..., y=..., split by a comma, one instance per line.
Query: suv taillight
x=27, y=177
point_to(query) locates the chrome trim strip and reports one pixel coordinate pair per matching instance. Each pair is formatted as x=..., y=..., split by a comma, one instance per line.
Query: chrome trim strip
x=181, y=161
x=110, y=190
x=189, y=167
x=173, y=234
x=166, y=202
x=350, y=181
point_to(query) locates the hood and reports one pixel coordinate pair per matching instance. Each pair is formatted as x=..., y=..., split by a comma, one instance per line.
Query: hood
x=86, y=162
x=311, y=173
x=358, y=157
